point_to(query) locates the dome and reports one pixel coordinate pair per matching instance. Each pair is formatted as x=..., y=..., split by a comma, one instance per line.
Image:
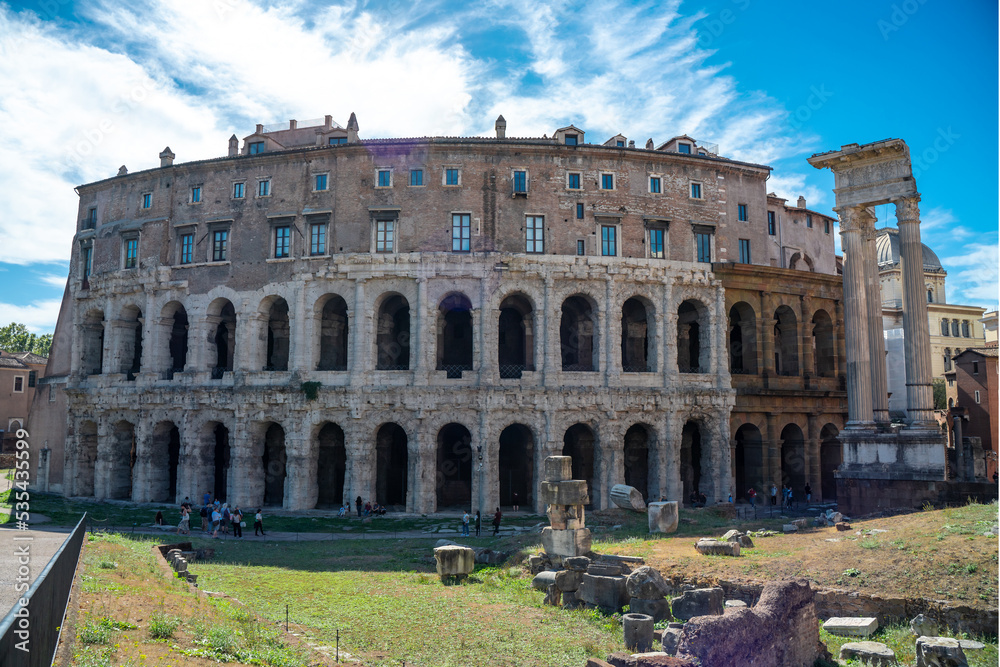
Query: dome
x=887, y=251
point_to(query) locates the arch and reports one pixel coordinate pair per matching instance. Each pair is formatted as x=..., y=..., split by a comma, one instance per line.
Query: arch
x=221, y=317
x=392, y=463
x=130, y=342
x=579, y=443
x=742, y=341
x=274, y=463
x=86, y=459
x=802, y=257
x=331, y=312
x=694, y=459
x=831, y=455
x=516, y=465
x=393, y=334
x=331, y=466
x=637, y=339
x=786, y=341
x=121, y=461
x=454, y=335
x=515, y=336
x=692, y=337
x=93, y=343
x=278, y=334
x=637, y=464
x=174, y=318
x=454, y=467
x=823, y=344
x=165, y=453
x=749, y=461
x=793, y=459
x=578, y=329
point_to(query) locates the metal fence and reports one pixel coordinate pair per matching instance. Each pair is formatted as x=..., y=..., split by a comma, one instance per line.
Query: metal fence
x=29, y=634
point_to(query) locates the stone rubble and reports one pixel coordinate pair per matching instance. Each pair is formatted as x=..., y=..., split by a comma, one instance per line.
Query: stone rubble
x=875, y=654
x=940, y=652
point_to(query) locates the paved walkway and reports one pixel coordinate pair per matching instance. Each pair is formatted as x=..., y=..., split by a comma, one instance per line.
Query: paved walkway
x=42, y=546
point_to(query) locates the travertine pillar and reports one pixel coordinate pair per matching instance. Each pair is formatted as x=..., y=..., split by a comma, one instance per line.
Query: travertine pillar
x=361, y=321
x=876, y=340
x=767, y=334
x=674, y=487
x=423, y=329
x=611, y=363
x=806, y=339
x=549, y=347
x=916, y=329
x=300, y=356
x=859, y=393
x=669, y=368
x=773, y=463
x=720, y=350
x=813, y=461
x=840, y=363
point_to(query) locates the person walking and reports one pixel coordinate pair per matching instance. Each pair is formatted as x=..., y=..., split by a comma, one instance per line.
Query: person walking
x=184, y=527
x=809, y=493
x=496, y=522
x=258, y=523
x=774, y=494
x=206, y=498
x=204, y=518
x=236, y=516
x=358, y=504
x=515, y=501
x=216, y=520
x=479, y=523
x=465, y=524
x=752, y=496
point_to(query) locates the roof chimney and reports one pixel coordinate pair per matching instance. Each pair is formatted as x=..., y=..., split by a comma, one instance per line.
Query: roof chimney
x=501, y=127
x=631, y=143
x=260, y=129
x=802, y=202
x=234, y=146
x=327, y=122
x=649, y=144
x=122, y=170
x=292, y=124
x=352, y=129
x=167, y=157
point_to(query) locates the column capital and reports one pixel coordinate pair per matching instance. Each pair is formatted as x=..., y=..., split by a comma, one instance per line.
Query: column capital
x=907, y=209
x=854, y=218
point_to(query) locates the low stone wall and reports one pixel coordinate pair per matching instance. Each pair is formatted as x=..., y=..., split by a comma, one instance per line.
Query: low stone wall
x=858, y=497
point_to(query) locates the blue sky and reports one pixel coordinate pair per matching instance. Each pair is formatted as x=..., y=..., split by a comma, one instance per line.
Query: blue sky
x=88, y=86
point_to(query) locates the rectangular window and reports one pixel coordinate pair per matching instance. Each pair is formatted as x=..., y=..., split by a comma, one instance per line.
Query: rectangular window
x=317, y=238
x=581, y=247
x=744, y=251
x=147, y=200
x=826, y=226
x=520, y=181
x=654, y=184
x=337, y=141
x=741, y=210
x=620, y=144
x=771, y=226
x=416, y=177
x=809, y=221
x=256, y=147
x=609, y=245
x=91, y=221
x=534, y=233
x=196, y=194
x=384, y=178
x=684, y=148
x=32, y=376
x=573, y=182
x=322, y=182
x=656, y=246
x=607, y=181
x=264, y=189
x=461, y=232
x=704, y=247
x=696, y=191
x=571, y=139
x=131, y=253
x=18, y=384
x=187, y=248
x=966, y=333
x=238, y=190
x=579, y=211
x=975, y=368
x=88, y=253
x=451, y=176
x=954, y=328
x=282, y=241
x=220, y=245
x=977, y=396
x=385, y=235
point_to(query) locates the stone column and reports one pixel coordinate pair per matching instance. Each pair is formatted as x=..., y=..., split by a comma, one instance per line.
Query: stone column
x=301, y=465
x=720, y=351
x=360, y=321
x=876, y=340
x=767, y=335
x=773, y=464
x=840, y=361
x=251, y=332
x=674, y=487
x=550, y=349
x=300, y=354
x=813, y=461
x=669, y=369
x=916, y=333
x=422, y=327
x=806, y=340
x=612, y=366
x=859, y=379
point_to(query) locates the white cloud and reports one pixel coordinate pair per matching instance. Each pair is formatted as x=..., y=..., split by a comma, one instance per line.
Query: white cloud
x=39, y=317
x=976, y=280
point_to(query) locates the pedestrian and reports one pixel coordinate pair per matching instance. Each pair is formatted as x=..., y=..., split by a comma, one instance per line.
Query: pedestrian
x=730, y=498
x=358, y=503
x=184, y=527
x=479, y=523
x=216, y=520
x=258, y=523
x=206, y=498
x=236, y=516
x=496, y=523
x=159, y=518
x=204, y=518
x=809, y=493
x=515, y=501
x=774, y=494
x=225, y=518
x=789, y=496
x=752, y=496
x=187, y=501
x=465, y=524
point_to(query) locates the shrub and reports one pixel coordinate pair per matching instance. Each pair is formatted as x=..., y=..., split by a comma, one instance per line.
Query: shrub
x=94, y=633
x=162, y=626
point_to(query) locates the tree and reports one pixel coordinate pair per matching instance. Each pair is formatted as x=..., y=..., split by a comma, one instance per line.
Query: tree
x=940, y=394
x=15, y=337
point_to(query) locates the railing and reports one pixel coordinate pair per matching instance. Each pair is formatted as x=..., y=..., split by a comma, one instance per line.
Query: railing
x=393, y=367
x=36, y=626
x=511, y=371
x=691, y=369
x=631, y=368
x=455, y=370
x=578, y=367
x=219, y=371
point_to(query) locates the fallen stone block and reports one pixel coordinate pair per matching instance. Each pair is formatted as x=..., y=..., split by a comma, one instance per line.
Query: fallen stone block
x=597, y=662
x=707, y=546
x=628, y=497
x=578, y=563
x=646, y=582
x=571, y=600
x=851, y=627
x=801, y=524
x=638, y=630
x=568, y=580
x=842, y=526
x=735, y=604
x=604, y=569
x=606, y=593
x=789, y=528
x=444, y=543
x=566, y=543
x=875, y=654
x=740, y=538
x=553, y=596
x=940, y=652
x=543, y=580
x=566, y=517
x=671, y=640
x=921, y=626
x=192, y=579
x=663, y=517
x=569, y=492
x=661, y=659
x=454, y=561
x=835, y=517
x=698, y=602
x=971, y=645
x=557, y=468
x=658, y=608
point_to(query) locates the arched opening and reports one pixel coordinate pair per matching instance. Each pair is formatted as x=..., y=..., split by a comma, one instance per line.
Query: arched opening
x=222, y=336
x=637, y=459
x=802, y=262
x=221, y=457
x=516, y=462
x=793, y=459
x=947, y=359
x=691, y=460
x=749, y=461
x=690, y=329
x=454, y=467
x=131, y=342
x=454, y=339
x=831, y=455
x=823, y=344
x=177, y=346
x=165, y=460
x=122, y=461
x=578, y=443
x=391, y=466
x=515, y=337
x=786, y=342
x=742, y=340
x=636, y=339
x=278, y=336
x=333, y=332
x=93, y=343
x=331, y=466
x=86, y=459
x=578, y=334
x=393, y=337
x=273, y=462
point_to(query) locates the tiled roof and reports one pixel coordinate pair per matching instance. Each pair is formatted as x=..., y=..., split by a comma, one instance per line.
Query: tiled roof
x=988, y=351
x=11, y=362
x=30, y=357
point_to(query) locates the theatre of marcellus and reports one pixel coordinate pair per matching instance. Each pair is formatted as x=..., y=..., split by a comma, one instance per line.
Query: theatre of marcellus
x=420, y=322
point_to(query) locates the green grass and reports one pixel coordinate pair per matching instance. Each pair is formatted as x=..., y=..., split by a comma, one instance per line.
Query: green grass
x=903, y=643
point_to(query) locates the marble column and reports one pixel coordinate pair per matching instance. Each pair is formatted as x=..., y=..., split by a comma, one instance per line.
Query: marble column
x=873, y=303
x=916, y=331
x=859, y=392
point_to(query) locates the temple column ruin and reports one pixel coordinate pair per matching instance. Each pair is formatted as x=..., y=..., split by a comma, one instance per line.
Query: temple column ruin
x=876, y=338
x=859, y=378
